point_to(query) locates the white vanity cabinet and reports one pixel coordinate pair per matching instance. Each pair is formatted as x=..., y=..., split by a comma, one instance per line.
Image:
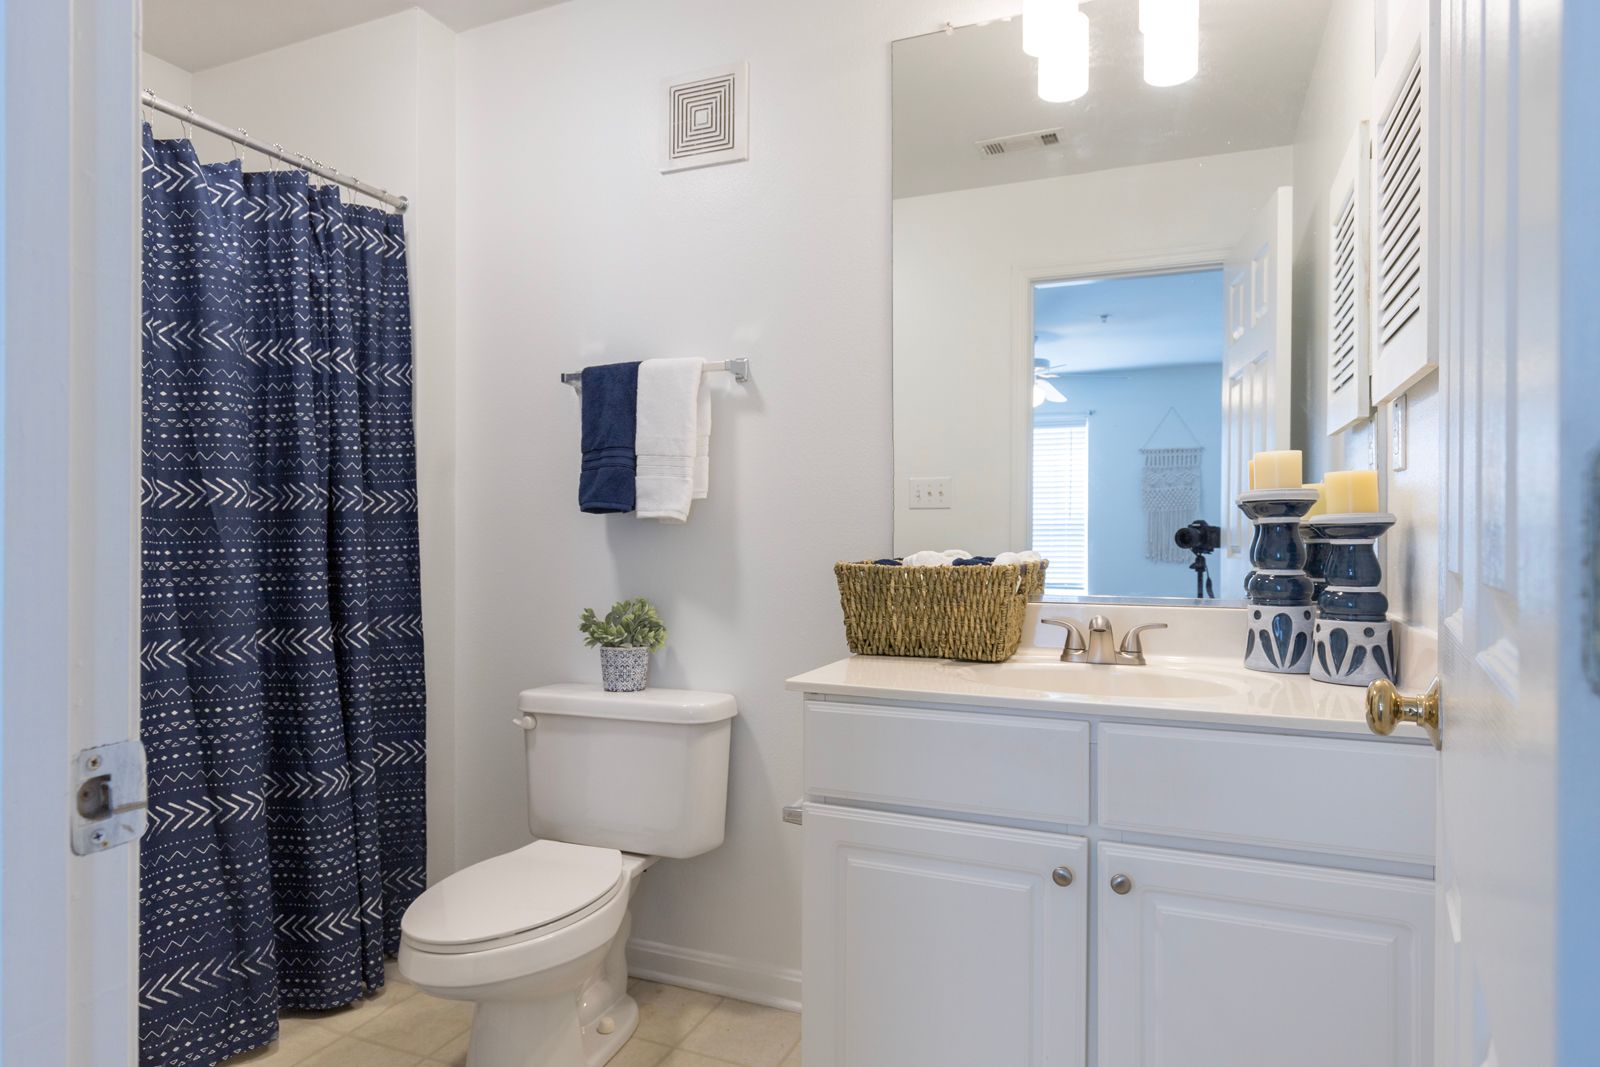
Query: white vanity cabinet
x=1215, y=961
x=990, y=887
x=934, y=941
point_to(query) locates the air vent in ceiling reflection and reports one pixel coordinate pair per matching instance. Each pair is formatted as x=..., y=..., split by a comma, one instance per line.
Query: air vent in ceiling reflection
x=1019, y=142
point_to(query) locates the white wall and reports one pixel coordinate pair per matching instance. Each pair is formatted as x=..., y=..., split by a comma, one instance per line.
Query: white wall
x=377, y=100
x=168, y=82
x=1339, y=98
x=575, y=250
x=962, y=262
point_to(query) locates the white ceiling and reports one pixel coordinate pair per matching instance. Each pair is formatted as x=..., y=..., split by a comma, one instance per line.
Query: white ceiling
x=953, y=90
x=197, y=34
x=1124, y=323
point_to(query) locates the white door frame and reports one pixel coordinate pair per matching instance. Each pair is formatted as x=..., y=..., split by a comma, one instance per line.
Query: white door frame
x=1578, y=488
x=1023, y=281
x=70, y=521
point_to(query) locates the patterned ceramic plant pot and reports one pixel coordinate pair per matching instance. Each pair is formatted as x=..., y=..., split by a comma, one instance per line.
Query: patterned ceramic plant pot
x=624, y=670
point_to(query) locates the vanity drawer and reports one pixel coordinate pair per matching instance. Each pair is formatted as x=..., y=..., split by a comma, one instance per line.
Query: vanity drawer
x=981, y=763
x=1352, y=798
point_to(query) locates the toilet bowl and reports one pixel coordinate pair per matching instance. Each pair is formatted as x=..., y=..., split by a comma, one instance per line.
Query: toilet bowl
x=537, y=937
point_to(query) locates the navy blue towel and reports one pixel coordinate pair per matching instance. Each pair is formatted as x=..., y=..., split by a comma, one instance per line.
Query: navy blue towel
x=610, y=404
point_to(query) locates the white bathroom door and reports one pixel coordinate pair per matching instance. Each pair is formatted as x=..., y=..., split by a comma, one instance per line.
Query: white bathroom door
x=1519, y=805
x=1256, y=368
x=68, y=526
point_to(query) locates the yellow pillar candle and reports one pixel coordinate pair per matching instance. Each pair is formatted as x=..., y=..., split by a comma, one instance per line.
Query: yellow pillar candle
x=1252, y=474
x=1322, y=500
x=1278, y=470
x=1350, y=492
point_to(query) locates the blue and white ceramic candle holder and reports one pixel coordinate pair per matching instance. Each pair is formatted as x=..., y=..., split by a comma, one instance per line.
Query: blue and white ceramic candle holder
x=1280, y=613
x=1355, y=642
x=1316, y=557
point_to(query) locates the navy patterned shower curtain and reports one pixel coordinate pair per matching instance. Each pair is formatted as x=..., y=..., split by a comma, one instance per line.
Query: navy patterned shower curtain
x=281, y=659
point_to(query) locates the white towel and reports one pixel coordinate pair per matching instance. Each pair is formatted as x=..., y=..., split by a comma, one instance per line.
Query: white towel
x=664, y=437
x=702, y=441
x=930, y=558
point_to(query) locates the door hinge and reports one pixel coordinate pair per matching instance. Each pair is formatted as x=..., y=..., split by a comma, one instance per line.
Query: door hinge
x=108, y=806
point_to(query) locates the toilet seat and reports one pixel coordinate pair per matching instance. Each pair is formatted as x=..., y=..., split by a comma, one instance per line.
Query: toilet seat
x=531, y=892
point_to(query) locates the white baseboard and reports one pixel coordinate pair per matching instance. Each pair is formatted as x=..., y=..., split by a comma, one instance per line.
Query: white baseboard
x=710, y=972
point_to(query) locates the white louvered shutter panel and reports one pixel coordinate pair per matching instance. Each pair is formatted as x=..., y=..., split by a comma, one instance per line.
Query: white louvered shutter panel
x=1061, y=503
x=1349, y=377
x=1403, y=215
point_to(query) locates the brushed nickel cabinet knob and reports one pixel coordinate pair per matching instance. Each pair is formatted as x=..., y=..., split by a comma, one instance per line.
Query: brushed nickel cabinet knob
x=1062, y=876
x=1121, y=884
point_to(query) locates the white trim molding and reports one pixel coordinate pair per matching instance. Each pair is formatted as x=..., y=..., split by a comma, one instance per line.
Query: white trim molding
x=712, y=972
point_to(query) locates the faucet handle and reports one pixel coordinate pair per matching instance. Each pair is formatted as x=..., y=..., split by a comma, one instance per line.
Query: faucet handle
x=1132, y=648
x=1074, y=633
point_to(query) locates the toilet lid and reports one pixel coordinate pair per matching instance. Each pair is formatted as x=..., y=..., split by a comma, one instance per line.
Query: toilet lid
x=512, y=894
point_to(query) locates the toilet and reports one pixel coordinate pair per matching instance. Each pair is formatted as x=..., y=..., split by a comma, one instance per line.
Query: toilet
x=536, y=937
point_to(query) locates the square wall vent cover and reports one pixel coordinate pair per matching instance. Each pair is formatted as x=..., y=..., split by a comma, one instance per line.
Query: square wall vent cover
x=708, y=119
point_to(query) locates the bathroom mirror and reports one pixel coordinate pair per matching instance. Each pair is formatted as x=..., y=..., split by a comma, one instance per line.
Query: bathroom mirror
x=1104, y=306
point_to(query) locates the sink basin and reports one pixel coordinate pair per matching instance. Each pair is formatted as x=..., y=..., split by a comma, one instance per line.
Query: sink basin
x=1161, y=683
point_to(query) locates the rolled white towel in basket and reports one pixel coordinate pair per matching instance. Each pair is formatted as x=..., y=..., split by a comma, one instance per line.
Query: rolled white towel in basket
x=935, y=559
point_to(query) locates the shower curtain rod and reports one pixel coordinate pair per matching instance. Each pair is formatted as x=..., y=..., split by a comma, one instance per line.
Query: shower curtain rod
x=276, y=151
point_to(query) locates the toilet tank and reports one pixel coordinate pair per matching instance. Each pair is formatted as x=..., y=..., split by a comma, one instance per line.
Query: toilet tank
x=642, y=772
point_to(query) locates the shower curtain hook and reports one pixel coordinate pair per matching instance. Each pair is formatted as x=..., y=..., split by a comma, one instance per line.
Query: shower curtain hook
x=188, y=134
x=238, y=146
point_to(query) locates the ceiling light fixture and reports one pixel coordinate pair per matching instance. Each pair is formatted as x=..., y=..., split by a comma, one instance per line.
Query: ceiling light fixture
x=1064, y=66
x=1042, y=23
x=1171, y=31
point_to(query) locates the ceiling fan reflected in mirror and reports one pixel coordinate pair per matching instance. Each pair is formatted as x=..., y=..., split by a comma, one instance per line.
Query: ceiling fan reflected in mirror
x=1044, y=390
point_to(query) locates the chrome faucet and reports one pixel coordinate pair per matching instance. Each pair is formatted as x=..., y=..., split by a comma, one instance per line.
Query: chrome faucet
x=1098, y=648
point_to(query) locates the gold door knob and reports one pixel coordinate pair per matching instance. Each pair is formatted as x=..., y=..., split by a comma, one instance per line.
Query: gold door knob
x=1386, y=708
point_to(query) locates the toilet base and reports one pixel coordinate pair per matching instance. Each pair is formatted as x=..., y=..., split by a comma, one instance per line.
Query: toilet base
x=547, y=1033
x=598, y=1048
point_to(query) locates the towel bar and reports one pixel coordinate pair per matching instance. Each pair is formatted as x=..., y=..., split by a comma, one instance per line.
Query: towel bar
x=739, y=368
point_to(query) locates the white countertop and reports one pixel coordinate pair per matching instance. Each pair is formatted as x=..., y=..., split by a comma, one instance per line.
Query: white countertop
x=1233, y=695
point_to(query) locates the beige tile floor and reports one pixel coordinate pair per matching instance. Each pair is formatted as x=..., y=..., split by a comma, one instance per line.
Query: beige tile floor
x=404, y=1027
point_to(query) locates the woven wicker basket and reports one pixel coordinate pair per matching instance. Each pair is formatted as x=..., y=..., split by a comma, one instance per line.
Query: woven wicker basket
x=970, y=613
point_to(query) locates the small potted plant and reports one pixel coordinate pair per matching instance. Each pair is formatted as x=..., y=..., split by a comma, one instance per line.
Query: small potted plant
x=627, y=635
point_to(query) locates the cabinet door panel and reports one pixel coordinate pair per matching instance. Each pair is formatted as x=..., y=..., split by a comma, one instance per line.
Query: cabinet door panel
x=934, y=943
x=1210, y=961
